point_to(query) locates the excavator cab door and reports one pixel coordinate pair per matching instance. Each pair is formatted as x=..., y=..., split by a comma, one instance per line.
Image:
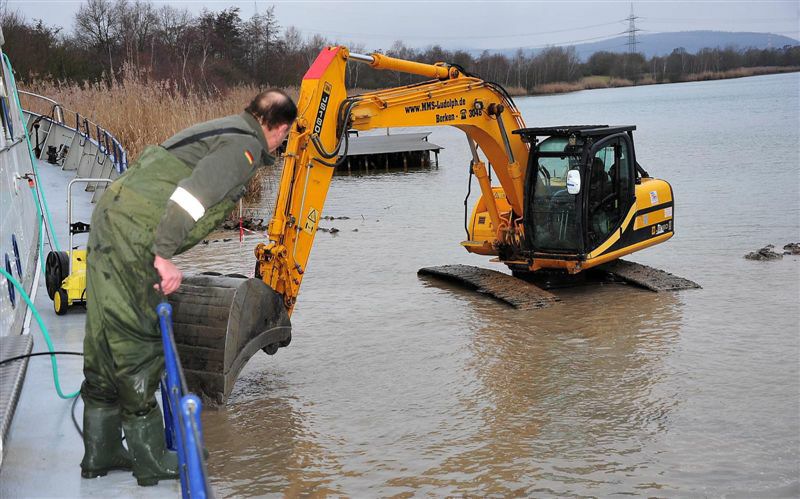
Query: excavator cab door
x=608, y=187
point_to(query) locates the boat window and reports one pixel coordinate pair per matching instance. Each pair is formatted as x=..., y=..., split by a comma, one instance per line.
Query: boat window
x=11, y=291
x=16, y=254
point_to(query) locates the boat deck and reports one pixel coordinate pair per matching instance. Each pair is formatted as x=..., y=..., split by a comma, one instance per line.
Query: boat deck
x=44, y=449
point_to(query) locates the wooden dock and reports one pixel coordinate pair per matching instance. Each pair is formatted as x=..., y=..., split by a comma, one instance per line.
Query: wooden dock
x=375, y=153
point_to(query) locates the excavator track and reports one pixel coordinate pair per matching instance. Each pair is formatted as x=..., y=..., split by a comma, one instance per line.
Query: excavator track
x=647, y=277
x=219, y=323
x=524, y=295
x=515, y=292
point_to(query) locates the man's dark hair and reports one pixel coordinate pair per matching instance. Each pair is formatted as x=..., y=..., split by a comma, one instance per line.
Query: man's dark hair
x=273, y=108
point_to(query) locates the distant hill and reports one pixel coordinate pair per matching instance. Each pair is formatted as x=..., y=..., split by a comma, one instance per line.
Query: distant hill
x=664, y=43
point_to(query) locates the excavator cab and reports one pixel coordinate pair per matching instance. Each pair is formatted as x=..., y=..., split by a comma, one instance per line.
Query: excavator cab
x=580, y=193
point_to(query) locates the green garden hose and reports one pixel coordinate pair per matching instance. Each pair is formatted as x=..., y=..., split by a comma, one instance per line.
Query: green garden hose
x=46, y=335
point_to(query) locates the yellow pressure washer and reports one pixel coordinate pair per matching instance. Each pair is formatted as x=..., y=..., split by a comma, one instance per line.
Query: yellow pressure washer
x=65, y=272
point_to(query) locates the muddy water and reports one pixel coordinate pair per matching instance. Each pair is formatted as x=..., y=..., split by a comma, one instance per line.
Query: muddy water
x=397, y=385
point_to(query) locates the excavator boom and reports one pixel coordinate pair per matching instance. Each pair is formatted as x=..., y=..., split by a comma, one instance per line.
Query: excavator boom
x=319, y=138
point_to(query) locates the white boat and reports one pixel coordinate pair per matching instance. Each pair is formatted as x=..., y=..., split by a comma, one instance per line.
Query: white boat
x=40, y=447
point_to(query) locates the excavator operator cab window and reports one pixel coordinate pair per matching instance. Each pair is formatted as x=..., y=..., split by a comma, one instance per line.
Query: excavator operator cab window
x=554, y=211
x=609, y=188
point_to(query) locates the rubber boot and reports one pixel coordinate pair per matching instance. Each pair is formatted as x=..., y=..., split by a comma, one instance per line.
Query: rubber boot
x=102, y=442
x=151, y=460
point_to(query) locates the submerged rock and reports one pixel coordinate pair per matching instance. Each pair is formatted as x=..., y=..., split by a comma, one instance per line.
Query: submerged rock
x=249, y=223
x=765, y=253
x=792, y=249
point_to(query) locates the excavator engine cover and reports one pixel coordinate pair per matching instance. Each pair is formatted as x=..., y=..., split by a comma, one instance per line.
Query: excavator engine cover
x=220, y=322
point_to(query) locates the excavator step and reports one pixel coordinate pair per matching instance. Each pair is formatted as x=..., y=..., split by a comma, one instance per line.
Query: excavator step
x=647, y=277
x=219, y=323
x=516, y=292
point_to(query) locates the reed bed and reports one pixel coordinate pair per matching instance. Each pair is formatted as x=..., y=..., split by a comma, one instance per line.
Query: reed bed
x=141, y=112
x=592, y=82
x=740, y=73
x=586, y=83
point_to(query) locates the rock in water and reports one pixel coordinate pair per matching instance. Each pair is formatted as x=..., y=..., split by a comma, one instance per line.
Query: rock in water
x=764, y=253
x=792, y=249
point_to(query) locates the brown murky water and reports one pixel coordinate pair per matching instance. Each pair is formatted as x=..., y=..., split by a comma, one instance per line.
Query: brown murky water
x=395, y=385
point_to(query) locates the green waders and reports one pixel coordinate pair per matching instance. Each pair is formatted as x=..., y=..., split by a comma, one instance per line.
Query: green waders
x=123, y=353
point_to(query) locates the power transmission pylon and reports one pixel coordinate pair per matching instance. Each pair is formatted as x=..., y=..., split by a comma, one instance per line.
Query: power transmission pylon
x=632, y=30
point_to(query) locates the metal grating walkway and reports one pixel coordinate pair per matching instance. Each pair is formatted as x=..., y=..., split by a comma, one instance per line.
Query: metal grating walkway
x=12, y=375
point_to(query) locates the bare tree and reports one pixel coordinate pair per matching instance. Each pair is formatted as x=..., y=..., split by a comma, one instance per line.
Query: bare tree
x=174, y=30
x=95, y=27
x=135, y=26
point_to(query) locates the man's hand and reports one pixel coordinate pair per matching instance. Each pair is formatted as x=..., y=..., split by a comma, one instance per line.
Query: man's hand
x=170, y=275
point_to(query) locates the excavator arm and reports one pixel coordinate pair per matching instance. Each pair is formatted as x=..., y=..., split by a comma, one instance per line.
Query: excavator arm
x=318, y=140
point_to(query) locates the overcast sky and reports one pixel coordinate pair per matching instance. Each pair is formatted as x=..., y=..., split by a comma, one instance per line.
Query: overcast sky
x=480, y=25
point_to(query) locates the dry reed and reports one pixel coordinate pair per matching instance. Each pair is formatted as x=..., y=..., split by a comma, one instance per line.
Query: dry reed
x=740, y=73
x=140, y=112
x=587, y=83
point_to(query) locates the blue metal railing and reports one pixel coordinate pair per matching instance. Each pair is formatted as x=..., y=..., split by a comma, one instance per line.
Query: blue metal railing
x=183, y=430
x=107, y=144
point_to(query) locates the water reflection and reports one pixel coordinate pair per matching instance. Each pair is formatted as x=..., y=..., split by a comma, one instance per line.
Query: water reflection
x=262, y=443
x=359, y=167
x=567, y=396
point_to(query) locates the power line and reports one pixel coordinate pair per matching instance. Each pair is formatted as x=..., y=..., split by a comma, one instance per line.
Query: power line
x=716, y=19
x=572, y=42
x=455, y=37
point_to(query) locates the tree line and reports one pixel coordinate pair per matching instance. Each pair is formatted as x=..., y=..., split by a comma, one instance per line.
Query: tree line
x=216, y=50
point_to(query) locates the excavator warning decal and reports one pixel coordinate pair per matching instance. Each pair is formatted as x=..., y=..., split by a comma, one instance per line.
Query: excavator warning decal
x=323, y=107
x=311, y=221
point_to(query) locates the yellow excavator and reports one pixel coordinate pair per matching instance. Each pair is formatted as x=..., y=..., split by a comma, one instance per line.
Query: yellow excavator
x=569, y=198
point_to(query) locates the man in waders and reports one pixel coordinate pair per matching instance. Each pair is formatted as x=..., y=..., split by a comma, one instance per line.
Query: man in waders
x=169, y=200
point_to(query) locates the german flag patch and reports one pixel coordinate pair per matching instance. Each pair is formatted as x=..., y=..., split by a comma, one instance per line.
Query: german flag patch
x=249, y=156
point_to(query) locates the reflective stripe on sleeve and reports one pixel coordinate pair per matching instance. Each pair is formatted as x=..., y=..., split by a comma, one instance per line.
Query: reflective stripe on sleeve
x=188, y=202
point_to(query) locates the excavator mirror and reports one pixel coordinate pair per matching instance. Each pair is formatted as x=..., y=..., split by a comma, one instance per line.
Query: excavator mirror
x=573, y=181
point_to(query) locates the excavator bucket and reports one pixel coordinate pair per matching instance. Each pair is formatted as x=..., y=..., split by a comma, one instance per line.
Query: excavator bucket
x=220, y=322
